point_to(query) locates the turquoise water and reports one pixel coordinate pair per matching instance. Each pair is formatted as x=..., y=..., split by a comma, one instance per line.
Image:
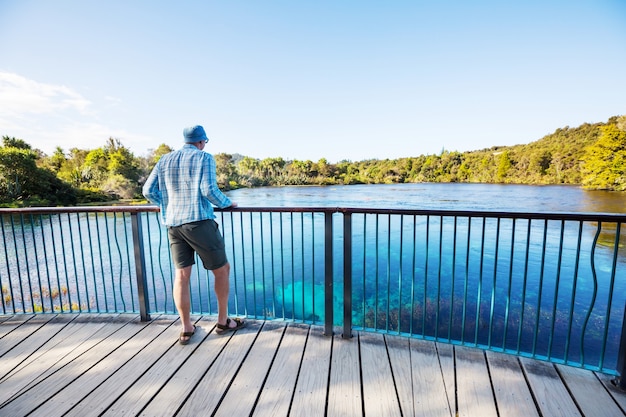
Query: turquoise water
x=410, y=276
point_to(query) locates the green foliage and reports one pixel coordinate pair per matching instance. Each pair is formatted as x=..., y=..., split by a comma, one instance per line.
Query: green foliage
x=593, y=155
x=23, y=183
x=605, y=161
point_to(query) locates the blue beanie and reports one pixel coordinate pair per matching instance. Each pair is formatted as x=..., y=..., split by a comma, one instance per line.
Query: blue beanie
x=194, y=134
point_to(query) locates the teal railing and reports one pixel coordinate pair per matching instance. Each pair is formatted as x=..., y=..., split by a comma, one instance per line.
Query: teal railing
x=544, y=285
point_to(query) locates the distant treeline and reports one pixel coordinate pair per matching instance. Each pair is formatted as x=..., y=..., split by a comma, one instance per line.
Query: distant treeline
x=591, y=155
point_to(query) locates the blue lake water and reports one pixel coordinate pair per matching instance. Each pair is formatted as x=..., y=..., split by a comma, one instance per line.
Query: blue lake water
x=453, y=276
x=435, y=196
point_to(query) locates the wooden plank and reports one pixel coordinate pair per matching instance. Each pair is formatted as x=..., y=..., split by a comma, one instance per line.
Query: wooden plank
x=513, y=396
x=17, y=331
x=344, y=391
x=246, y=387
x=28, y=400
x=429, y=390
x=312, y=387
x=206, y=390
x=275, y=399
x=379, y=391
x=589, y=392
x=185, y=365
x=400, y=359
x=551, y=395
x=445, y=352
x=475, y=395
x=34, y=340
x=89, y=380
x=67, y=345
x=106, y=393
x=618, y=395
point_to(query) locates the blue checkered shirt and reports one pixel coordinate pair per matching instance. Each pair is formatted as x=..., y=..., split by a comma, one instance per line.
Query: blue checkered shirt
x=184, y=185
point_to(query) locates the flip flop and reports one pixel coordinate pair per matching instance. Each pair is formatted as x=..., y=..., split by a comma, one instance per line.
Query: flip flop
x=187, y=335
x=225, y=328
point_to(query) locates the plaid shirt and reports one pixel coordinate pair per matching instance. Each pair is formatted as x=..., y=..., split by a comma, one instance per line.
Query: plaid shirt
x=184, y=184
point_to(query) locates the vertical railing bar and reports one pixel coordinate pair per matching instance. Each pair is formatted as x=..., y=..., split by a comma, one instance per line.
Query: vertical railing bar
x=365, y=267
x=524, y=286
x=595, y=292
x=30, y=287
x=262, y=238
x=129, y=268
x=56, y=262
x=273, y=275
x=427, y=252
x=480, y=280
x=233, y=261
x=376, y=269
x=540, y=294
x=9, y=284
x=45, y=256
x=413, y=266
x=104, y=286
x=508, y=296
x=466, y=283
x=347, y=275
x=252, y=257
x=293, y=270
x=494, y=282
x=452, y=287
x=121, y=269
x=400, y=272
x=574, y=288
x=108, y=234
x=140, y=267
x=243, y=259
x=151, y=262
x=36, y=253
x=328, y=273
x=82, y=258
x=67, y=285
x=388, y=272
x=618, y=230
x=93, y=265
x=75, y=266
x=282, y=264
x=315, y=320
x=556, y=289
x=439, y=265
x=302, y=266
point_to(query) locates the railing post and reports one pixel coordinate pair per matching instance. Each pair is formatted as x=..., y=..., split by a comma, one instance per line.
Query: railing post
x=328, y=273
x=347, y=275
x=140, y=267
x=620, y=381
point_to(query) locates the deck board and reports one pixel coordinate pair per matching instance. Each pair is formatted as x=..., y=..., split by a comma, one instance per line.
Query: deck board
x=311, y=390
x=379, y=391
x=275, y=398
x=512, y=393
x=114, y=365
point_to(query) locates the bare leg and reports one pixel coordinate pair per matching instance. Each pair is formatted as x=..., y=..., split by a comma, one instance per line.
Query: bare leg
x=182, y=297
x=221, y=292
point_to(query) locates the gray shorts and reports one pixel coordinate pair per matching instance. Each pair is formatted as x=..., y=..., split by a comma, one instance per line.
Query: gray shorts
x=202, y=237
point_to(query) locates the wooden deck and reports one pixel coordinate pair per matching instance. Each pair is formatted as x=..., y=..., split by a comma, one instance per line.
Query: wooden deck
x=93, y=365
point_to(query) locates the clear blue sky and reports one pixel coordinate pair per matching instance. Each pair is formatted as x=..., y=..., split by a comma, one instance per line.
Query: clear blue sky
x=308, y=79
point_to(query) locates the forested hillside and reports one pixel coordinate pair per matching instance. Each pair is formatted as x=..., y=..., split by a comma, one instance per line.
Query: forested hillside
x=591, y=155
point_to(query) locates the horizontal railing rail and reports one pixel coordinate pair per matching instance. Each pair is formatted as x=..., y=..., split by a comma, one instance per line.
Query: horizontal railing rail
x=544, y=285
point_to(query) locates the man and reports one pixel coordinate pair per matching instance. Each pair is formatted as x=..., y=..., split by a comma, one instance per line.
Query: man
x=183, y=184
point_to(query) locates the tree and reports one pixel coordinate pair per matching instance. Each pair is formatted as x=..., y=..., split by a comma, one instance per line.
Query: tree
x=604, y=162
x=22, y=182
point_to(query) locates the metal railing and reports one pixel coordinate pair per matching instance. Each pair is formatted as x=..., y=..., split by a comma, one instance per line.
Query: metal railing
x=547, y=286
